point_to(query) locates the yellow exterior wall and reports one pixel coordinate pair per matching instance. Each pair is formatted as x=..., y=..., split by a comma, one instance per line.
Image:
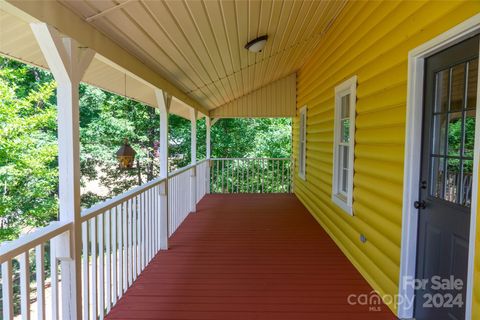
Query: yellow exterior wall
x=371, y=40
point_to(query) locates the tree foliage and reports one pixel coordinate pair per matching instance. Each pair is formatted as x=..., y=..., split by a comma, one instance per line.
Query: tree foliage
x=28, y=144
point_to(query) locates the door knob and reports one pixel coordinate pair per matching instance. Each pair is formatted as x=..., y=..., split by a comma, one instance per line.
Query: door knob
x=419, y=204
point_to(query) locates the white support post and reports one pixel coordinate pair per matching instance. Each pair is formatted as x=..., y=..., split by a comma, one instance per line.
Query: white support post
x=208, y=125
x=68, y=62
x=163, y=101
x=208, y=122
x=193, y=177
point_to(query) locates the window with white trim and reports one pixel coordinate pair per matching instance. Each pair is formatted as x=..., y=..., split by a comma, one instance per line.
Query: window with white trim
x=343, y=146
x=302, y=142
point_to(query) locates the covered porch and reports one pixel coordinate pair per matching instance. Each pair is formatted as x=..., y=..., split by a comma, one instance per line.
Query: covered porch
x=249, y=256
x=328, y=233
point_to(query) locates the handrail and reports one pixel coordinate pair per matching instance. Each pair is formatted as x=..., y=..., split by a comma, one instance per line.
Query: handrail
x=250, y=159
x=186, y=168
x=12, y=249
x=111, y=203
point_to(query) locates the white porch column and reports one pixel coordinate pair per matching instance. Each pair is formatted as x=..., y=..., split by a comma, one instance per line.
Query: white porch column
x=163, y=103
x=208, y=122
x=68, y=62
x=193, y=151
x=208, y=153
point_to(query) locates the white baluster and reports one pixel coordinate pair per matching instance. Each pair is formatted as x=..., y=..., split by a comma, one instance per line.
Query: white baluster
x=108, y=261
x=7, y=290
x=85, y=267
x=101, y=269
x=114, y=219
x=40, y=279
x=93, y=261
x=24, y=285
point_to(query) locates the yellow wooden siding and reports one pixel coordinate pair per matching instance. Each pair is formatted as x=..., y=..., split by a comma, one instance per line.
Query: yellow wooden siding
x=370, y=40
x=274, y=100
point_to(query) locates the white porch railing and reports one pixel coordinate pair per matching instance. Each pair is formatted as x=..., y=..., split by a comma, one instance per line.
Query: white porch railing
x=122, y=235
x=251, y=175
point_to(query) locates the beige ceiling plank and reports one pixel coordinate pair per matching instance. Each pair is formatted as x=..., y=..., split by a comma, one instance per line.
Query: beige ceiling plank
x=287, y=58
x=84, y=8
x=254, y=8
x=260, y=73
x=165, y=31
x=239, y=80
x=216, y=24
x=263, y=24
x=72, y=25
x=229, y=21
x=279, y=20
x=273, y=26
x=286, y=27
x=168, y=67
x=230, y=24
x=241, y=8
x=210, y=95
x=305, y=30
x=233, y=82
x=107, y=11
x=200, y=18
x=294, y=35
x=133, y=25
x=186, y=24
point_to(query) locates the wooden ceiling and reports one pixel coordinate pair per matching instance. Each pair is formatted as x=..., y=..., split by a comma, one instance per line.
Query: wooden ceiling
x=199, y=45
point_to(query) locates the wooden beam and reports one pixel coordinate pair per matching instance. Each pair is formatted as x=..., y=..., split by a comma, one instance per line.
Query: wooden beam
x=55, y=14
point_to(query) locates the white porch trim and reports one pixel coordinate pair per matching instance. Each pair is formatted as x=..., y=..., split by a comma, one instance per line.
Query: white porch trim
x=68, y=62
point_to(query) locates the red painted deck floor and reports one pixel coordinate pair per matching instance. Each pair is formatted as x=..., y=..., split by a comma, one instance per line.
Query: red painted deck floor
x=248, y=257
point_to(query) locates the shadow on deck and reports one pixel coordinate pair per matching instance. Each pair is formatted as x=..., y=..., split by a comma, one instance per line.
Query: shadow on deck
x=248, y=257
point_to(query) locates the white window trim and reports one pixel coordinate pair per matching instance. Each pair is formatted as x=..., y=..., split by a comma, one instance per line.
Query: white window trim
x=302, y=148
x=338, y=197
x=301, y=174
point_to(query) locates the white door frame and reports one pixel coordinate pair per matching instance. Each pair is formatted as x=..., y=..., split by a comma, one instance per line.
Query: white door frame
x=413, y=147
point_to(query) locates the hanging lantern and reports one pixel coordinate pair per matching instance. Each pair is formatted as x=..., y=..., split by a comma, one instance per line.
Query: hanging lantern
x=125, y=156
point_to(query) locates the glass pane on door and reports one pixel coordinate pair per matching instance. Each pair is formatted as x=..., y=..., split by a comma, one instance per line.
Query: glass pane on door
x=453, y=133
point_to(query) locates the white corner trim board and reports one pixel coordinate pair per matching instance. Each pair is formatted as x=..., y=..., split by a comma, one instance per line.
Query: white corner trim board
x=413, y=135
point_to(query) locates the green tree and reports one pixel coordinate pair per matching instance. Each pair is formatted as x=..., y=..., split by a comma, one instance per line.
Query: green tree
x=28, y=144
x=28, y=148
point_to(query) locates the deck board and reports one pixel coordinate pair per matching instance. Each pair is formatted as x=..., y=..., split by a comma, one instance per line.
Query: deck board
x=248, y=257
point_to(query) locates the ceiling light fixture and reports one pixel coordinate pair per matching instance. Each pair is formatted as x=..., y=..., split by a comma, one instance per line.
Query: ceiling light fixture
x=257, y=45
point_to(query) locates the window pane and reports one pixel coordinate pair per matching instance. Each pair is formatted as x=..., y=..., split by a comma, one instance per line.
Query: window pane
x=345, y=106
x=472, y=84
x=442, y=91
x=439, y=132
x=345, y=156
x=344, y=181
x=345, y=130
x=466, y=195
x=469, y=133
x=458, y=87
x=344, y=168
x=452, y=180
x=436, y=184
x=454, y=133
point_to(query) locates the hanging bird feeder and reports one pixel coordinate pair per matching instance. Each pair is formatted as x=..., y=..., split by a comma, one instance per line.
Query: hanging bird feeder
x=126, y=156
